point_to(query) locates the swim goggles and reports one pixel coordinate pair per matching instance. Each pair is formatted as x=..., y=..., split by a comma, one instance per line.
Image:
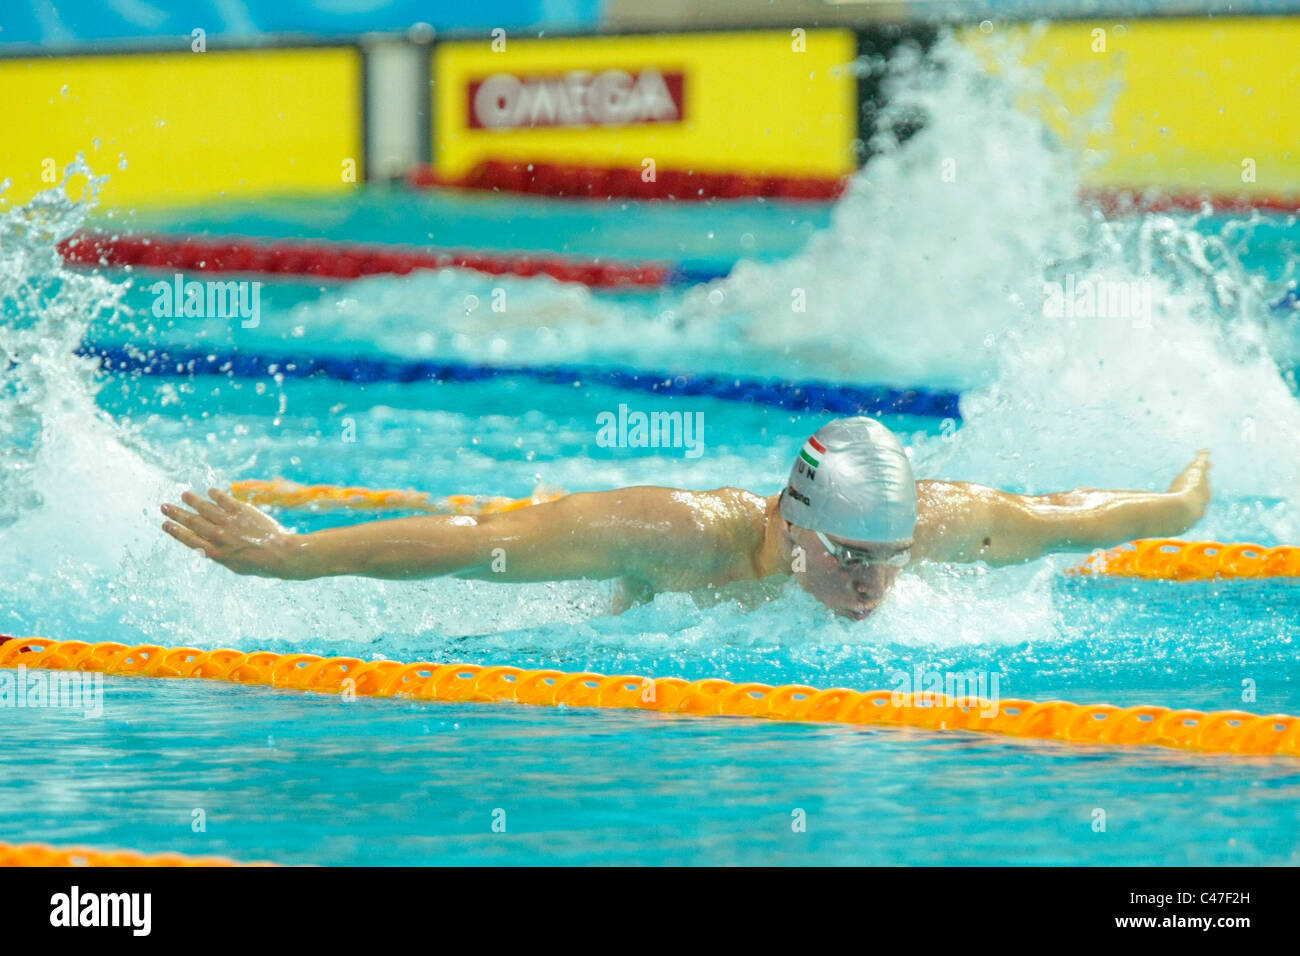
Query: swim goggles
x=848, y=557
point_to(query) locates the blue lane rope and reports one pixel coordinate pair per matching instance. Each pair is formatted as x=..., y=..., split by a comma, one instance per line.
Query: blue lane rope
x=797, y=396
x=695, y=273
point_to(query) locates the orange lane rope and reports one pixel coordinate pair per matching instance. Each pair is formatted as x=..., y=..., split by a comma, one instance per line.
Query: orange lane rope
x=39, y=854
x=1172, y=560
x=1221, y=732
x=288, y=494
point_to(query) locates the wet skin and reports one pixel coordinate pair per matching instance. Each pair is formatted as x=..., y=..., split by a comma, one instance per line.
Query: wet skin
x=654, y=539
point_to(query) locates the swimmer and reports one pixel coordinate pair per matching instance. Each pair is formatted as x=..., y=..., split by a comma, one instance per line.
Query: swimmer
x=851, y=518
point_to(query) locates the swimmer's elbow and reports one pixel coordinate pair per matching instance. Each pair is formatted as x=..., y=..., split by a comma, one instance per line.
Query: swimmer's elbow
x=1013, y=532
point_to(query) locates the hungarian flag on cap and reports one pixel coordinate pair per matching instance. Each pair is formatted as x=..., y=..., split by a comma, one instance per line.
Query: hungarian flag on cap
x=812, y=451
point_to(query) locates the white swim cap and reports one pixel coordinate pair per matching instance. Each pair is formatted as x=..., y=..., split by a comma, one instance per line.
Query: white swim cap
x=853, y=480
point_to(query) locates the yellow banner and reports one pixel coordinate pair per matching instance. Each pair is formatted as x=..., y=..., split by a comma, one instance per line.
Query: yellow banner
x=774, y=102
x=1198, y=105
x=183, y=127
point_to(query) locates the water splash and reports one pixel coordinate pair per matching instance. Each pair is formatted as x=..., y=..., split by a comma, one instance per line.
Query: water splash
x=46, y=310
x=920, y=278
x=940, y=241
x=81, y=553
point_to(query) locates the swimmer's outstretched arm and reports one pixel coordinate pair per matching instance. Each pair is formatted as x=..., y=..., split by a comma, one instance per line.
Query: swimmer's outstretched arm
x=964, y=522
x=612, y=534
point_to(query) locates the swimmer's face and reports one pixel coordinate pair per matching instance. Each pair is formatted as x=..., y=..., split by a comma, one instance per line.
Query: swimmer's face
x=854, y=591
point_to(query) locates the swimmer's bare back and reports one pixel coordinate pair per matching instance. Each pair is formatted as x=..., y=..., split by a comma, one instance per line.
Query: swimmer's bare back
x=656, y=539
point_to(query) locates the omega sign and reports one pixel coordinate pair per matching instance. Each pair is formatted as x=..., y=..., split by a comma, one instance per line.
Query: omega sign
x=576, y=98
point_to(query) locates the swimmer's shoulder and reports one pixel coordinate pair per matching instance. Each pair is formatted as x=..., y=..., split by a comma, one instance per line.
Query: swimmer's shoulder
x=707, y=534
x=734, y=514
x=948, y=513
x=724, y=509
x=941, y=499
x=732, y=523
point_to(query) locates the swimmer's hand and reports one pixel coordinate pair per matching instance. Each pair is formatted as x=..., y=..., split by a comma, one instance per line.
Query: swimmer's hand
x=1193, y=486
x=233, y=533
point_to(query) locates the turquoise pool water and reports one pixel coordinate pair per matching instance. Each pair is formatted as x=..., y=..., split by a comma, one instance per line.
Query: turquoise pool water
x=300, y=779
x=295, y=778
x=904, y=284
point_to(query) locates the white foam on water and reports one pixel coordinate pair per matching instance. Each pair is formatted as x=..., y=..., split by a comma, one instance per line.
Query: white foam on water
x=81, y=550
x=918, y=279
x=936, y=245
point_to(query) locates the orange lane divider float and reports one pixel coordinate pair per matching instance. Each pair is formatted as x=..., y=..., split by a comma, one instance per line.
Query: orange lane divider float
x=1169, y=559
x=39, y=854
x=288, y=494
x=1234, y=732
